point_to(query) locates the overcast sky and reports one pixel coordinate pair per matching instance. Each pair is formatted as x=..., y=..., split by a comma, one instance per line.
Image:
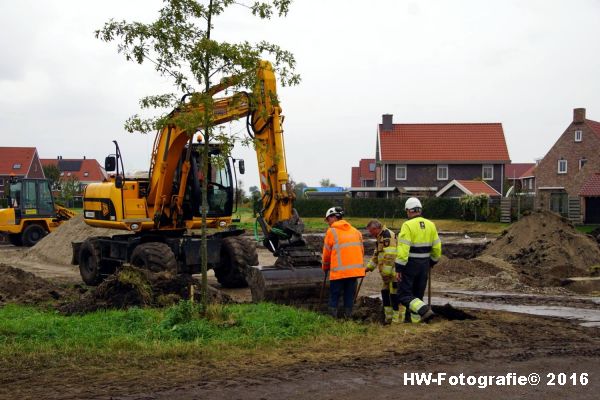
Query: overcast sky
x=525, y=64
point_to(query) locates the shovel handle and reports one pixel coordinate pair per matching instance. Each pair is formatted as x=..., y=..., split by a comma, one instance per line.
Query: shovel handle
x=358, y=289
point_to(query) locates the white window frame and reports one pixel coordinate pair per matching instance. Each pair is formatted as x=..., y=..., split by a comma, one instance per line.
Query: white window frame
x=578, y=135
x=400, y=167
x=441, y=167
x=491, y=168
x=560, y=170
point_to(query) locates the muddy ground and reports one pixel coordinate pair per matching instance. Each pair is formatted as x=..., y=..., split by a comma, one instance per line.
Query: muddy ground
x=525, y=271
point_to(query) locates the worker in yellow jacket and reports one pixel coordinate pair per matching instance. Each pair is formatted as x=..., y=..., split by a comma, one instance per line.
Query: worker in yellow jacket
x=383, y=259
x=419, y=249
x=343, y=255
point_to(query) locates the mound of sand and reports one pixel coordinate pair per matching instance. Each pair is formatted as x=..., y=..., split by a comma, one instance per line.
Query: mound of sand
x=546, y=248
x=56, y=248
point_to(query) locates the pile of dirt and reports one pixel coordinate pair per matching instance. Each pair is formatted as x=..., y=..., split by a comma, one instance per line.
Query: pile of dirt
x=18, y=286
x=545, y=249
x=135, y=287
x=56, y=248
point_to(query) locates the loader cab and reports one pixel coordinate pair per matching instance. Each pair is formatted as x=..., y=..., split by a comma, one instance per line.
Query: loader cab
x=30, y=198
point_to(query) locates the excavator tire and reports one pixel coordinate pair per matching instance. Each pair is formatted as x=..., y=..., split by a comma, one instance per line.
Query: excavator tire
x=33, y=234
x=234, y=261
x=155, y=257
x=89, y=262
x=249, y=248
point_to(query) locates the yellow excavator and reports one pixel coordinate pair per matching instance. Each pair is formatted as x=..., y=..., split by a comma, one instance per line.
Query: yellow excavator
x=159, y=210
x=32, y=212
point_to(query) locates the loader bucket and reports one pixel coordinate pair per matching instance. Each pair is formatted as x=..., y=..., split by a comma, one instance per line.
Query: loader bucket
x=299, y=286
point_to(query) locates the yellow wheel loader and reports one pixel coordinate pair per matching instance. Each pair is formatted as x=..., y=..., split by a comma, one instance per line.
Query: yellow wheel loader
x=159, y=210
x=31, y=212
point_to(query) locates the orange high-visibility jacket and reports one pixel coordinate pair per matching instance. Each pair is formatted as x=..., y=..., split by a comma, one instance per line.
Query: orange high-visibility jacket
x=343, y=251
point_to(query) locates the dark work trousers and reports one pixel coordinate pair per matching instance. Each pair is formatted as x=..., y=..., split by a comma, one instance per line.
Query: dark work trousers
x=414, y=280
x=336, y=287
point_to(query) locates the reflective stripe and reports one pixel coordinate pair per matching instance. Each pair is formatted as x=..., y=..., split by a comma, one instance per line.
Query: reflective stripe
x=418, y=255
x=387, y=270
x=327, y=247
x=401, y=262
x=345, y=267
x=336, y=244
x=426, y=244
x=436, y=242
x=415, y=305
x=406, y=242
x=435, y=258
x=349, y=244
x=390, y=250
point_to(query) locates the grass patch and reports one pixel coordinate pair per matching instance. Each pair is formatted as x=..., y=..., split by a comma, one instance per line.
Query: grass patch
x=27, y=332
x=588, y=229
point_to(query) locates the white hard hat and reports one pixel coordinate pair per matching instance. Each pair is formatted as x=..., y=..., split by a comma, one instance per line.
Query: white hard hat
x=412, y=203
x=337, y=211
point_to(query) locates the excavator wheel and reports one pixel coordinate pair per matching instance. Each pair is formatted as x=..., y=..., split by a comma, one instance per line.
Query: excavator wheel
x=89, y=263
x=33, y=234
x=237, y=253
x=155, y=257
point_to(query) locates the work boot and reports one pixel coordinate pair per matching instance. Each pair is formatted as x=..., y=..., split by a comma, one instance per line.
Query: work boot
x=333, y=312
x=396, y=317
x=426, y=313
x=347, y=312
x=389, y=313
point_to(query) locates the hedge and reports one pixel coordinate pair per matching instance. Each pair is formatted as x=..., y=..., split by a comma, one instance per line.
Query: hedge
x=433, y=207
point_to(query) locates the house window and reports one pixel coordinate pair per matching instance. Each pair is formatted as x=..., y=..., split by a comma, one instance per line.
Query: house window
x=578, y=135
x=442, y=172
x=530, y=184
x=62, y=174
x=487, y=172
x=16, y=166
x=86, y=174
x=562, y=166
x=582, y=162
x=400, y=172
x=371, y=167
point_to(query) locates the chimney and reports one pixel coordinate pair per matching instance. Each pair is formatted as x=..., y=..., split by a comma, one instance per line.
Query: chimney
x=387, y=121
x=84, y=157
x=579, y=115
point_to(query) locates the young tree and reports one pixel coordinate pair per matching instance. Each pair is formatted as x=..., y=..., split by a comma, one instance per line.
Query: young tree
x=326, y=183
x=180, y=46
x=52, y=173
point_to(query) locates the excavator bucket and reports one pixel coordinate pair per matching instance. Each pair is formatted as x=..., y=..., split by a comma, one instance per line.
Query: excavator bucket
x=295, y=279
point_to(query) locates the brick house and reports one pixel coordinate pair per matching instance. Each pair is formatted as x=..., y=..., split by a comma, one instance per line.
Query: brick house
x=571, y=162
x=364, y=174
x=521, y=176
x=85, y=170
x=421, y=159
x=18, y=161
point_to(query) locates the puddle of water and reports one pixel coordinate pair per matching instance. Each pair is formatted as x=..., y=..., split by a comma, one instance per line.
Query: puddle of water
x=590, y=318
x=595, y=300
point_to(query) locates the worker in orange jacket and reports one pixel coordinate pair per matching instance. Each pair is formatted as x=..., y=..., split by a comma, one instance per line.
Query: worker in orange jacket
x=343, y=255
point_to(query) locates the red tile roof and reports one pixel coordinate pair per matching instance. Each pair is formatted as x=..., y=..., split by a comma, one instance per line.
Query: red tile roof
x=594, y=125
x=591, y=187
x=470, y=187
x=78, y=168
x=517, y=170
x=443, y=142
x=355, y=177
x=365, y=172
x=529, y=173
x=11, y=157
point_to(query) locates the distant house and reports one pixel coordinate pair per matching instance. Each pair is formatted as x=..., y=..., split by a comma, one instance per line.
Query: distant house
x=459, y=188
x=331, y=193
x=84, y=170
x=20, y=162
x=566, y=176
x=364, y=174
x=521, y=176
x=420, y=159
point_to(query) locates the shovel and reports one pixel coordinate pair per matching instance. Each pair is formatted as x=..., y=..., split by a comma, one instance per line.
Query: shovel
x=323, y=288
x=358, y=289
x=429, y=288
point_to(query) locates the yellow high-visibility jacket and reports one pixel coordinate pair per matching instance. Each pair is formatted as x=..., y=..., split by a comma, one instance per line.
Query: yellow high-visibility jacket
x=418, y=239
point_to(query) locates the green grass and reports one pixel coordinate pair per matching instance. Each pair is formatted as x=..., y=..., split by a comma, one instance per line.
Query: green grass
x=28, y=332
x=586, y=228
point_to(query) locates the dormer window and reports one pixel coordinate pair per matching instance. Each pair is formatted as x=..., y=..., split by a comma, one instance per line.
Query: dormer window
x=86, y=174
x=578, y=135
x=17, y=166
